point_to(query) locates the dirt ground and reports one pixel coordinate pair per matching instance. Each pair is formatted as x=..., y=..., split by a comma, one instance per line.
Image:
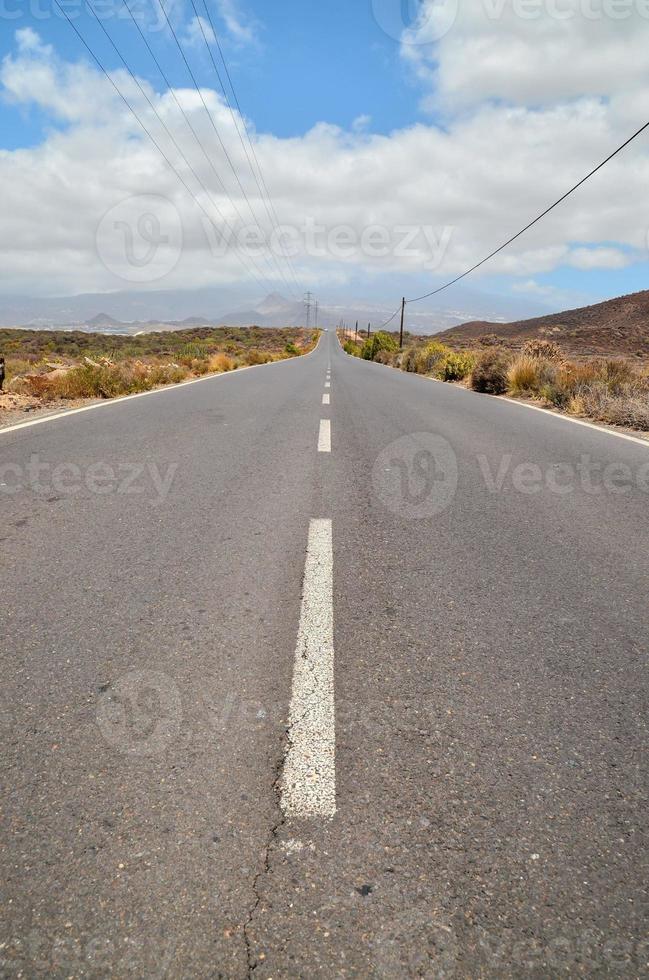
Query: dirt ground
x=15, y=408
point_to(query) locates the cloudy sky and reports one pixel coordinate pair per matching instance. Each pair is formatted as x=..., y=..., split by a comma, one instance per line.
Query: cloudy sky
x=400, y=142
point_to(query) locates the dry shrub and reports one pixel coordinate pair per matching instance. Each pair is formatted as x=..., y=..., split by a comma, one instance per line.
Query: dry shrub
x=221, y=362
x=409, y=360
x=490, y=372
x=386, y=357
x=200, y=366
x=542, y=350
x=532, y=375
x=167, y=374
x=257, y=357
x=523, y=375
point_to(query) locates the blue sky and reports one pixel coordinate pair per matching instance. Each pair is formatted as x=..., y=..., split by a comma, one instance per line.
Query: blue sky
x=298, y=65
x=311, y=62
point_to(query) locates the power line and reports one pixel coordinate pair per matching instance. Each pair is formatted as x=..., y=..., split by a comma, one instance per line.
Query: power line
x=256, y=173
x=218, y=135
x=531, y=223
x=187, y=120
x=148, y=132
x=173, y=139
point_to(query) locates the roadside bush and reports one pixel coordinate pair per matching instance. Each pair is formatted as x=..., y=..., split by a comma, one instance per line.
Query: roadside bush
x=523, y=376
x=291, y=350
x=221, y=362
x=409, y=360
x=351, y=348
x=378, y=342
x=430, y=359
x=490, y=372
x=257, y=357
x=386, y=357
x=457, y=365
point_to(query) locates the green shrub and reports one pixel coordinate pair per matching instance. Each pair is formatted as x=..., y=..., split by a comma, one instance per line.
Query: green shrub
x=430, y=359
x=490, y=372
x=457, y=365
x=291, y=350
x=380, y=341
x=351, y=348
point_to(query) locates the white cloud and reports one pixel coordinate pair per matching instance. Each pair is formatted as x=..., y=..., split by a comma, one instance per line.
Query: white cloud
x=474, y=183
x=362, y=123
x=198, y=31
x=242, y=28
x=598, y=258
x=529, y=52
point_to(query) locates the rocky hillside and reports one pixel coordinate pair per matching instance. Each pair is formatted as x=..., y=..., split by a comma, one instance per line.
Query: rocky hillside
x=617, y=327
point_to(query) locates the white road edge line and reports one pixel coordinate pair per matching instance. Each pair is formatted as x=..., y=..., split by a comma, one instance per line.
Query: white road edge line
x=324, y=436
x=145, y=394
x=326, y=399
x=535, y=408
x=308, y=785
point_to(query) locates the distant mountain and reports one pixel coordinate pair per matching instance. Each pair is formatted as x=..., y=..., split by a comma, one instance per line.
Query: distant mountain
x=134, y=311
x=617, y=326
x=101, y=321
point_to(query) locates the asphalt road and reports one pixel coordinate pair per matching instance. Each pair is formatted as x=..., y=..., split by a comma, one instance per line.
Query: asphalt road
x=184, y=575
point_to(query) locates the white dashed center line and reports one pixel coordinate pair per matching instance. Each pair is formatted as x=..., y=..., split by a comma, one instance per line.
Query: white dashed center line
x=324, y=438
x=326, y=399
x=309, y=775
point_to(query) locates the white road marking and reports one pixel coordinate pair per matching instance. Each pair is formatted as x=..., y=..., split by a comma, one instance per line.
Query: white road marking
x=326, y=399
x=327, y=384
x=537, y=408
x=324, y=437
x=146, y=394
x=309, y=774
x=569, y=418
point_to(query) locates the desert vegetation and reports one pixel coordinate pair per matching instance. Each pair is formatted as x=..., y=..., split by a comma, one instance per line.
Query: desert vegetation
x=613, y=390
x=48, y=366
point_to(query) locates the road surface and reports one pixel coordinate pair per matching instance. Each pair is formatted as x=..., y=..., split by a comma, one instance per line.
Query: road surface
x=345, y=686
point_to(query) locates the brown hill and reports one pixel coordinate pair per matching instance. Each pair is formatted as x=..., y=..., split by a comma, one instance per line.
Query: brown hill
x=617, y=326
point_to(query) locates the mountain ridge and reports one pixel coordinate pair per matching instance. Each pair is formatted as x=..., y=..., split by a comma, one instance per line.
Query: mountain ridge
x=614, y=326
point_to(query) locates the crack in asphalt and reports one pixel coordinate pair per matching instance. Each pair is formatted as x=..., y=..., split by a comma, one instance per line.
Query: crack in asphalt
x=251, y=962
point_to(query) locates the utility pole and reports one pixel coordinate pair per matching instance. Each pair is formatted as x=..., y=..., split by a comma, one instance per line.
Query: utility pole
x=316, y=314
x=403, y=311
x=308, y=299
x=356, y=333
x=369, y=330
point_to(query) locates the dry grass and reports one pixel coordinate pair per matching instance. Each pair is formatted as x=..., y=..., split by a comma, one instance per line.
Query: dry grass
x=107, y=377
x=220, y=363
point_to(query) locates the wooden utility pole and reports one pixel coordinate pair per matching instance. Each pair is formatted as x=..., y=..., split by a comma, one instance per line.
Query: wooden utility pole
x=403, y=311
x=369, y=330
x=356, y=333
